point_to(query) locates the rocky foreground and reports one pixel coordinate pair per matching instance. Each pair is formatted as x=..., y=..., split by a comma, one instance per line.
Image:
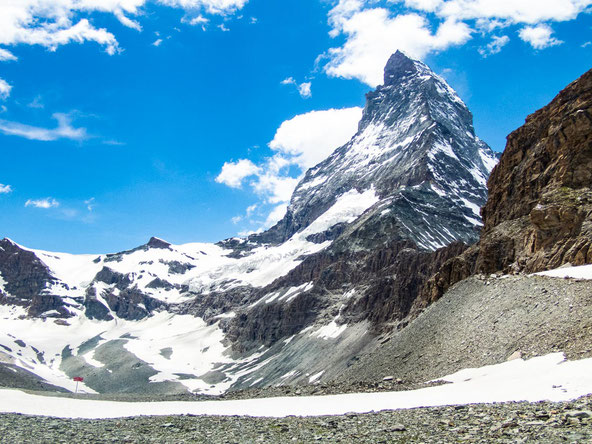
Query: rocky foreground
x=543, y=422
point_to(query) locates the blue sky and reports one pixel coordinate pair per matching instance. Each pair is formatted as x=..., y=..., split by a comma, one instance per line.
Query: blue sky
x=192, y=120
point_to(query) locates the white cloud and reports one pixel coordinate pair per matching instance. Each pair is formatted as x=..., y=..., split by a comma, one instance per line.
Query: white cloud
x=5, y=89
x=51, y=23
x=309, y=138
x=424, y=5
x=539, y=37
x=304, y=89
x=157, y=42
x=372, y=35
x=516, y=11
x=5, y=189
x=64, y=130
x=46, y=203
x=273, y=184
x=299, y=143
x=199, y=20
x=222, y=7
x=6, y=55
x=275, y=215
x=234, y=173
x=495, y=46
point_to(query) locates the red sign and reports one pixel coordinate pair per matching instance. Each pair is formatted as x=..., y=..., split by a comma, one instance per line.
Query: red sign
x=78, y=378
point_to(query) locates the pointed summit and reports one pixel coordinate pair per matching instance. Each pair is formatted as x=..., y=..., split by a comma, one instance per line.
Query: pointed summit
x=398, y=67
x=416, y=149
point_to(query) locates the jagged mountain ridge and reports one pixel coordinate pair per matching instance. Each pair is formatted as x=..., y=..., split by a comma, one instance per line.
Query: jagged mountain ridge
x=293, y=304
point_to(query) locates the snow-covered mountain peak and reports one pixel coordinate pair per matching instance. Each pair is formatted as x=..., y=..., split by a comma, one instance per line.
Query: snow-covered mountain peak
x=400, y=66
x=416, y=144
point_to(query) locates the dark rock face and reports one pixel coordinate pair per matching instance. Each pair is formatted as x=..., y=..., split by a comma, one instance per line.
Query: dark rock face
x=539, y=212
x=124, y=298
x=155, y=242
x=93, y=308
x=268, y=323
x=384, y=284
x=132, y=304
x=25, y=275
x=28, y=282
x=545, y=178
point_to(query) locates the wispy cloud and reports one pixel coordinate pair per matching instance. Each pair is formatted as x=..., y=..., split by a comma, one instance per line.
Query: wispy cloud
x=304, y=89
x=48, y=202
x=5, y=189
x=113, y=142
x=64, y=130
x=36, y=103
x=6, y=56
x=495, y=46
x=90, y=204
x=5, y=89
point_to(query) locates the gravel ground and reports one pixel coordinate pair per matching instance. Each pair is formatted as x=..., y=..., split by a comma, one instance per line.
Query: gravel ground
x=541, y=422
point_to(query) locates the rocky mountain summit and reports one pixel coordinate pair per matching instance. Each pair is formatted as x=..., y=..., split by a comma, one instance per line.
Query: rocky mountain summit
x=416, y=150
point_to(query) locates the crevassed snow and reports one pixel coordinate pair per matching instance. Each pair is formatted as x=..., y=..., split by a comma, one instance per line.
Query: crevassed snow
x=579, y=272
x=544, y=378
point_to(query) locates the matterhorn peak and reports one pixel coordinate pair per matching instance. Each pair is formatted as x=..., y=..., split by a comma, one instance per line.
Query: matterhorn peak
x=401, y=66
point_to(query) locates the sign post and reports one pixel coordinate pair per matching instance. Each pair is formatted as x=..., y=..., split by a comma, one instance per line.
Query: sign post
x=78, y=379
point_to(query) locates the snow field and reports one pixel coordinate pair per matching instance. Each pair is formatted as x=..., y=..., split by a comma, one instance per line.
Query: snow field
x=548, y=377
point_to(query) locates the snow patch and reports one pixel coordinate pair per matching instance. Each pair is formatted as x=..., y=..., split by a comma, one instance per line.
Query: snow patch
x=579, y=272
